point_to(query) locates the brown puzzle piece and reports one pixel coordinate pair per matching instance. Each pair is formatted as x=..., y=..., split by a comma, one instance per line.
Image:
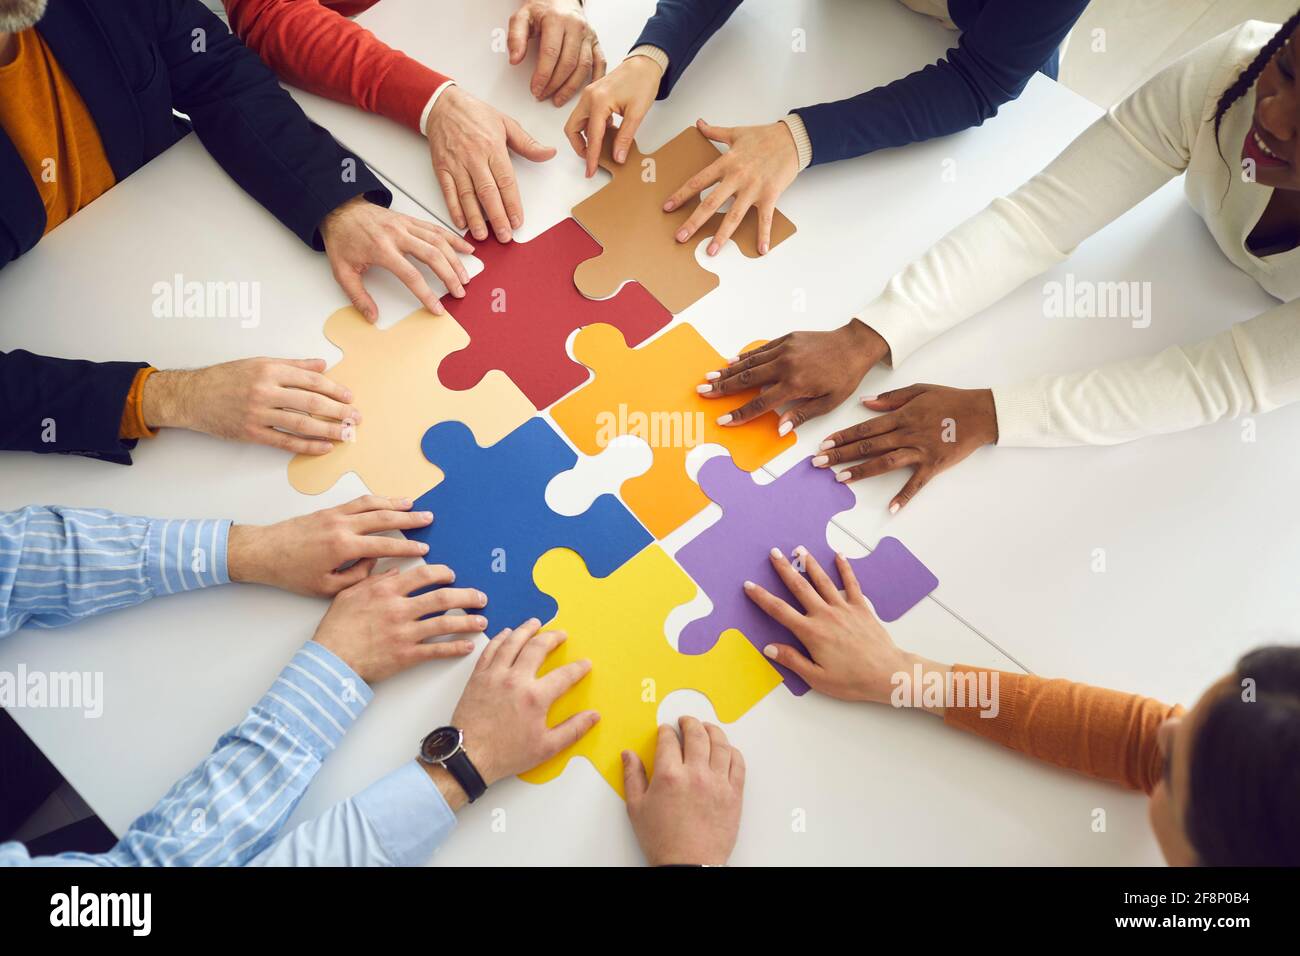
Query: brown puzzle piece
x=627, y=219
x=393, y=375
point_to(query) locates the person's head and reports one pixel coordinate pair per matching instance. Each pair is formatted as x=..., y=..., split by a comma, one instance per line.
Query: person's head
x=1231, y=789
x=16, y=15
x=1272, y=145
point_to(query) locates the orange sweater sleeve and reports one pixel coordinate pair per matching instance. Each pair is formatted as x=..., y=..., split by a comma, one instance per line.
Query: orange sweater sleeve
x=1101, y=733
x=133, y=423
x=312, y=44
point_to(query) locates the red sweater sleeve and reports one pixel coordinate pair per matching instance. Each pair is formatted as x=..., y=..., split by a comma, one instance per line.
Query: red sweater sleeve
x=312, y=44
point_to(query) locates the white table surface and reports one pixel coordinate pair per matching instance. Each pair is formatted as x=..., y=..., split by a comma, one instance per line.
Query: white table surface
x=1188, y=587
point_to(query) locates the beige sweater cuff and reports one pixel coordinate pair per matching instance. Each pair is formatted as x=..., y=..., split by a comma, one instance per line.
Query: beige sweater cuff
x=801, y=141
x=652, y=53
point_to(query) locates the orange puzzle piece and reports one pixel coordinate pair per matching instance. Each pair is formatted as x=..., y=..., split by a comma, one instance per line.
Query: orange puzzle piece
x=393, y=375
x=627, y=218
x=649, y=392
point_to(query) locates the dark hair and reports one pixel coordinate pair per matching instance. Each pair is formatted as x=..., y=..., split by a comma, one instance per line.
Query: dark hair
x=1251, y=73
x=1244, y=803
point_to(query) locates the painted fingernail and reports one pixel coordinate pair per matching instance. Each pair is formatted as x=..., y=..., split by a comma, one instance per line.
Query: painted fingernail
x=785, y=428
x=749, y=585
x=712, y=376
x=704, y=389
x=821, y=461
x=870, y=398
x=681, y=235
x=800, y=551
x=841, y=476
x=893, y=509
x=770, y=651
x=724, y=420
x=827, y=445
x=776, y=553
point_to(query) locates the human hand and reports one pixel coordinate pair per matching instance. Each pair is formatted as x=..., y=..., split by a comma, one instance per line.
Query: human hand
x=850, y=655
x=814, y=370
x=469, y=145
x=689, y=813
x=928, y=428
x=276, y=402
x=376, y=626
x=628, y=92
x=307, y=554
x=760, y=163
x=502, y=712
x=359, y=235
x=568, y=51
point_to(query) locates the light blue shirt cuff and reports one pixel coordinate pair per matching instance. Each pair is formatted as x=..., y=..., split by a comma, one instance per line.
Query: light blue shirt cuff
x=187, y=553
x=317, y=697
x=408, y=814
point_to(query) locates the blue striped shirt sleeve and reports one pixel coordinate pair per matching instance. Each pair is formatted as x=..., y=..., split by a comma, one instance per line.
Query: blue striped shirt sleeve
x=59, y=565
x=231, y=807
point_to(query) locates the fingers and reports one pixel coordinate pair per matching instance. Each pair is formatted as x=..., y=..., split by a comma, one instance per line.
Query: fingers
x=517, y=28
x=881, y=464
x=439, y=262
x=411, y=277
x=695, y=741
x=536, y=650
x=559, y=681
x=849, y=578
x=548, y=55
x=804, y=592
x=731, y=220
x=366, y=503
x=525, y=144
x=511, y=642
x=372, y=522
x=760, y=370
x=787, y=656
x=920, y=478
x=773, y=606
x=719, y=750
x=489, y=199
x=894, y=399
x=771, y=397
x=806, y=411
x=719, y=134
x=568, y=733
x=467, y=198
x=440, y=650
x=766, y=213
x=635, y=781
x=437, y=627
x=575, y=126
x=818, y=577
x=451, y=194
x=579, y=74
x=426, y=575
x=668, y=747
x=862, y=448
x=597, y=126
x=568, y=63
x=445, y=598
x=701, y=181
x=382, y=546
x=299, y=424
x=290, y=443
x=349, y=281
x=872, y=427
x=627, y=128
x=737, y=775
x=344, y=579
x=313, y=394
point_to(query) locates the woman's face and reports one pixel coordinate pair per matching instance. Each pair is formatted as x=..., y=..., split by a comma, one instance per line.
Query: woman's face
x=1273, y=143
x=1168, y=805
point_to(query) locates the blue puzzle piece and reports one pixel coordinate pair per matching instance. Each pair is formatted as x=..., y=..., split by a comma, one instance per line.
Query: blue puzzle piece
x=491, y=522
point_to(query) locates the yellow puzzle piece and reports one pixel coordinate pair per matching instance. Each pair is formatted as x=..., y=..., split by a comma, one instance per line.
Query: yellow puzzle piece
x=393, y=375
x=617, y=623
x=650, y=392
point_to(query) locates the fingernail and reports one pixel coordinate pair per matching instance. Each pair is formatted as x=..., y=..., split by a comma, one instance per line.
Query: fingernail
x=827, y=445
x=482, y=598
x=801, y=551
x=762, y=248
x=785, y=428
x=733, y=360
x=426, y=515
x=668, y=206
x=770, y=651
x=620, y=155
x=841, y=476
x=893, y=509
x=424, y=548
x=776, y=553
x=713, y=248
x=839, y=555
x=516, y=221
x=724, y=420
x=749, y=585
x=681, y=235
x=404, y=502
x=869, y=398
x=347, y=395
x=704, y=389
x=821, y=461
x=712, y=376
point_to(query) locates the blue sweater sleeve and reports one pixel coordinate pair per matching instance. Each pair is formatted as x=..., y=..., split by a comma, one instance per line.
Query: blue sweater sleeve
x=1002, y=45
x=680, y=28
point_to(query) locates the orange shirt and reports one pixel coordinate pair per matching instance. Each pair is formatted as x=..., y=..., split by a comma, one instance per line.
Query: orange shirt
x=48, y=122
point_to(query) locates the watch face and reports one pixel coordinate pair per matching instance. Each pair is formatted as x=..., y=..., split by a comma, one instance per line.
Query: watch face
x=440, y=744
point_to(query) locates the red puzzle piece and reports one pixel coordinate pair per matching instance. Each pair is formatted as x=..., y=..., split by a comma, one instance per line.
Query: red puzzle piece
x=520, y=310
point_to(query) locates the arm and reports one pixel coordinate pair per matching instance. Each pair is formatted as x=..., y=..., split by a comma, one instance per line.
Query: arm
x=65, y=406
x=314, y=47
x=253, y=128
x=1252, y=367
x=1112, y=166
x=228, y=809
x=679, y=28
x=995, y=57
x=59, y=565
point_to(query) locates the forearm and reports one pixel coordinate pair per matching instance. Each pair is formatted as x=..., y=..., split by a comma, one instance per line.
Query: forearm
x=400, y=820
x=59, y=565
x=1102, y=733
x=680, y=28
x=312, y=46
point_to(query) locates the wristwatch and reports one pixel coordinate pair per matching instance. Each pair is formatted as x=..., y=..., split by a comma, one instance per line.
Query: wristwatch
x=446, y=748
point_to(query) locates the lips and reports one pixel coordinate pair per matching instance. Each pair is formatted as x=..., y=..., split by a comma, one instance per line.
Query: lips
x=1256, y=149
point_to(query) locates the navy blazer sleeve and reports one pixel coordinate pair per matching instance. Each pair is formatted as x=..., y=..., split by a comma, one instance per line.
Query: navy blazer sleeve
x=64, y=406
x=1002, y=45
x=252, y=127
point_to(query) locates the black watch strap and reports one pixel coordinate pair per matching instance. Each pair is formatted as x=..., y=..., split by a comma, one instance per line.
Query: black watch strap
x=462, y=768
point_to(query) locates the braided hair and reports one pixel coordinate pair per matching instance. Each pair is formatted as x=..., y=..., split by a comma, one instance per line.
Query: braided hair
x=1251, y=73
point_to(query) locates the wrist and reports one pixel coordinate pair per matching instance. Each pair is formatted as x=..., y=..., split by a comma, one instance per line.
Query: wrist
x=162, y=400
x=244, y=560
x=451, y=791
x=929, y=672
x=338, y=213
x=866, y=345
x=987, y=417
x=651, y=65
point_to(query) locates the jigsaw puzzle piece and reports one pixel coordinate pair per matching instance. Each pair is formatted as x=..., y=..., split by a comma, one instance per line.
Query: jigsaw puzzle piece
x=393, y=378
x=794, y=509
x=650, y=392
x=638, y=237
x=617, y=623
x=520, y=310
x=491, y=521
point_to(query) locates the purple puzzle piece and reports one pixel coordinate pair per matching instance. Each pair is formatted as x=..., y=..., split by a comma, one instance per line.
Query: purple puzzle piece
x=793, y=510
